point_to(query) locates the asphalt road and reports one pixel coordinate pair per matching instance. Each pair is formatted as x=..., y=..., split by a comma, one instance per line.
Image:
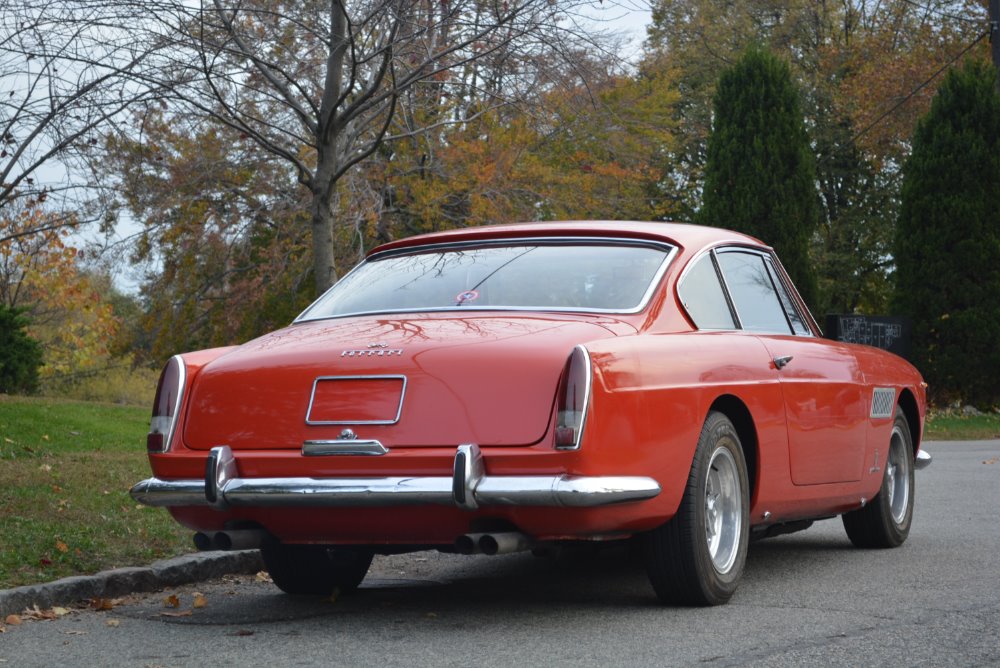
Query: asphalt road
x=806, y=599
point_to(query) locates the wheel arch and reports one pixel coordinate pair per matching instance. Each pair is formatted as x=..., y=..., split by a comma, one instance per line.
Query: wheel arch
x=738, y=413
x=908, y=403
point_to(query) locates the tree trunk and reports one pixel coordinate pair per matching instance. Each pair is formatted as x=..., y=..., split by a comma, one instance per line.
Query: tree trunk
x=324, y=265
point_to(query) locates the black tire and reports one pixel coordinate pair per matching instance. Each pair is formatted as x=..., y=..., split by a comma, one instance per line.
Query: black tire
x=314, y=570
x=885, y=522
x=685, y=562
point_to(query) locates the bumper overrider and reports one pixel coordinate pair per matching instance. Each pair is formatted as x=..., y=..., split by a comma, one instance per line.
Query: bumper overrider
x=468, y=487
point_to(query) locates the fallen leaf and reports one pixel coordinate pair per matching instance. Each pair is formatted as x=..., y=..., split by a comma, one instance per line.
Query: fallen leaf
x=45, y=467
x=172, y=601
x=101, y=604
x=13, y=620
x=74, y=433
x=61, y=546
x=60, y=612
x=114, y=623
x=992, y=460
x=199, y=601
x=45, y=562
x=7, y=440
x=262, y=576
x=37, y=613
x=183, y=613
x=45, y=437
x=244, y=632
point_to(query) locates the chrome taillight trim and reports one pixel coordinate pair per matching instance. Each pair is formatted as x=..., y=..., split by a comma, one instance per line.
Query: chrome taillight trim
x=588, y=384
x=176, y=412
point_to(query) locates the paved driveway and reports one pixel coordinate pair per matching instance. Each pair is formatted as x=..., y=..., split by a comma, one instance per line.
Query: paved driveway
x=806, y=599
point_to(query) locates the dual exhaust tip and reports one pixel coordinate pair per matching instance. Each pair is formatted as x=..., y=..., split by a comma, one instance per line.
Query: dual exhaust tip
x=240, y=539
x=503, y=542
x=492, y=543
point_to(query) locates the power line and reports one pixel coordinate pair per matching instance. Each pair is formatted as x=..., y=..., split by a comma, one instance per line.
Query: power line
x=919, y=88
x=953, y=17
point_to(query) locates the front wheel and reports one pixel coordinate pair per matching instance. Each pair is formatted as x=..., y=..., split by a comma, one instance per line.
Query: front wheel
x=314, y=569
x=697, y=557
x=885, y=522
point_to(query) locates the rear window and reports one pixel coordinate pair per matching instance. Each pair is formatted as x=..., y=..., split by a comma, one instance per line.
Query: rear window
x=558, y=275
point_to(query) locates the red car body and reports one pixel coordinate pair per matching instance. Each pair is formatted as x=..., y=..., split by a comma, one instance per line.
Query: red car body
x=393, y=430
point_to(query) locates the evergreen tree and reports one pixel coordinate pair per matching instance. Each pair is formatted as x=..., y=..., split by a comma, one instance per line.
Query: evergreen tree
x=947, y=246
x=20, y=355
x=760, y=174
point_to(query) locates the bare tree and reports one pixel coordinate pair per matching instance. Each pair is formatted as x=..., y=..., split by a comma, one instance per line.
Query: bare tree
x=318, y=83
x=67, y=72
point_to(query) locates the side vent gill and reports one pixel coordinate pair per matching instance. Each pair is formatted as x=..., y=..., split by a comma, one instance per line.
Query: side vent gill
x=883, y=402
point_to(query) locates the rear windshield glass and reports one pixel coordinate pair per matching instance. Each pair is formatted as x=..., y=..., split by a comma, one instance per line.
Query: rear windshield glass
x=544, y=276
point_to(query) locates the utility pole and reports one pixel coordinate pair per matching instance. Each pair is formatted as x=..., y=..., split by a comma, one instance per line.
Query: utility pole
x=995, y=35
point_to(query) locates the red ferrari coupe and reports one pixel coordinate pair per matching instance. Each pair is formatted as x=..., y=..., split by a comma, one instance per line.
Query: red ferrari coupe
x=505, y=388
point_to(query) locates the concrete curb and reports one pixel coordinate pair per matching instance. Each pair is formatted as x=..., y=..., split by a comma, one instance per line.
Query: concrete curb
x=122, y=581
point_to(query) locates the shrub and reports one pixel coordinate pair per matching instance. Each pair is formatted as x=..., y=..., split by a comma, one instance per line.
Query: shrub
x=20, y=355
x=760, y=173
x=947, y=246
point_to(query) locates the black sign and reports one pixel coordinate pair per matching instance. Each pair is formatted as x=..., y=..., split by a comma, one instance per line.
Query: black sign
x=885, y=332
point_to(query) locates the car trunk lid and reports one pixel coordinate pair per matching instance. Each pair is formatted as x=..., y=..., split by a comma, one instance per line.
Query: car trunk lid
x=416, y=382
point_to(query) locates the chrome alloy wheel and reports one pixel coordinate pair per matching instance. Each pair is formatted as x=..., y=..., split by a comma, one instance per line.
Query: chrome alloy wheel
x=897, y=477
x=723, y=513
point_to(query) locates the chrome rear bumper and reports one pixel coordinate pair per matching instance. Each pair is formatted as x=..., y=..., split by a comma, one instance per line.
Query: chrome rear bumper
x=468, y=487
x=923, y=459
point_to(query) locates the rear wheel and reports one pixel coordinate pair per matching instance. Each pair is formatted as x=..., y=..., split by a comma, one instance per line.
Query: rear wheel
x=885, y=522
x=697, y=557
x=314, y=569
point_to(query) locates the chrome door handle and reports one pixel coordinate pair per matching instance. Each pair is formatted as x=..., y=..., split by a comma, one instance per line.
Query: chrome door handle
x=782, y=362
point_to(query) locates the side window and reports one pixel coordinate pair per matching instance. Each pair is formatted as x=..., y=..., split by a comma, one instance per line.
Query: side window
x=702, y=296
x=752, y=290
x=798, y=324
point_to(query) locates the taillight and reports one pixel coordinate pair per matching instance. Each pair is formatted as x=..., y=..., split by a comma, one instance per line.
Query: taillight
x=572, y=400
x=166, y=405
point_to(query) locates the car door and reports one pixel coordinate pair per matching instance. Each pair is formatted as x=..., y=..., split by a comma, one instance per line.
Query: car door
x=821, y=381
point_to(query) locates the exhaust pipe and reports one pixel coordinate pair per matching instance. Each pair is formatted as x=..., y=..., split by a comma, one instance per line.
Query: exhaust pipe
x=203, y=542
x=504, y=543
x=237, y=539
x=469, y=543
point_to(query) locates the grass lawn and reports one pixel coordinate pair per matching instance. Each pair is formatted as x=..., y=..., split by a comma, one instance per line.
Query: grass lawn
x=65, y=471
x=953, y=426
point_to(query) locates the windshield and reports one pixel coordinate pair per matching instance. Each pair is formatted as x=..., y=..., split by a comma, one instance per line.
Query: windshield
x=558, y=275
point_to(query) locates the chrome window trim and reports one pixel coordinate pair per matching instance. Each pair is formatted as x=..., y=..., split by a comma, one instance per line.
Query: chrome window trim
x=588, y=385
x=761, y=255
x=797, y=302
x=312, y=398
x=779, y=287
x=722, y=284
x=779, y=274
x=671, y=253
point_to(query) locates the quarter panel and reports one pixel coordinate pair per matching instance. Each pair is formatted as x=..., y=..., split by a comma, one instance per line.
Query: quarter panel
x=654, y=393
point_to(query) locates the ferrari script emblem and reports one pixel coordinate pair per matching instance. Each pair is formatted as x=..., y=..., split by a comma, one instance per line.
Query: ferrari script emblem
x=372, y=352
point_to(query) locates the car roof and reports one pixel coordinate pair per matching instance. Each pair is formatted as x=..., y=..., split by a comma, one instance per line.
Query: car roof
x=684, y=235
